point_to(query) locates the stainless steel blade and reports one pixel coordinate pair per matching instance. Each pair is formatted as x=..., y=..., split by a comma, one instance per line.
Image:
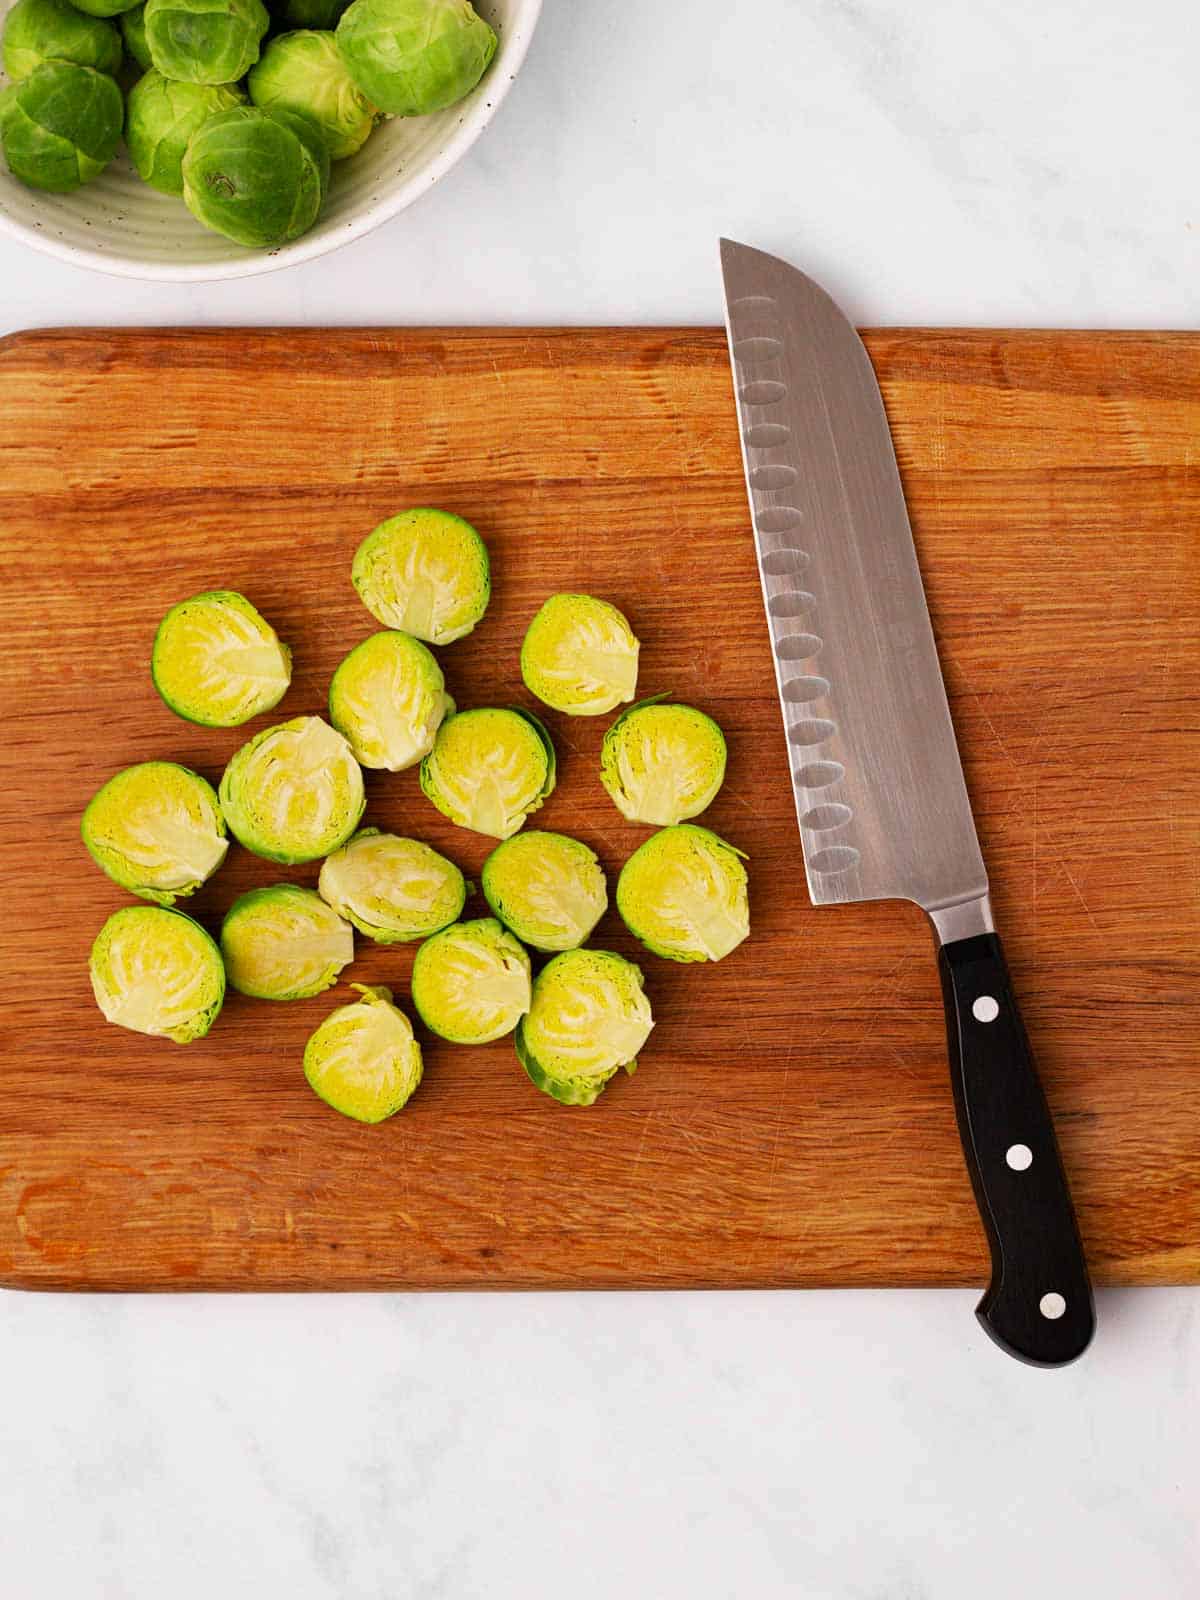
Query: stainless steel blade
x=880, y=796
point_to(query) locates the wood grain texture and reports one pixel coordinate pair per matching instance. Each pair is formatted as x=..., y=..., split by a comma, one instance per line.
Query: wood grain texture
x=791, y=1122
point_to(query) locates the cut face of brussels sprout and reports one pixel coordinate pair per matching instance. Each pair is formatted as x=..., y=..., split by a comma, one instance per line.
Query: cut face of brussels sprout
x=426, y=573
x=61, y=126
x=392, y=889
x=51, y=30
x=389, y=699
x=294, y=792
x=303, y=72
x=489, y=769
x=471, y=982
x=547, y=888
x=204, y=41
x=410, y=57
x=255, y=178
x=158, y=972
x=133, y=31
x=580, y=656
x=284, y=943
x=588, y=1016
x=662, y=763
x=364, y=1060
x=160, y=118
x=683, y=894
x=215, y=660
x=157, y=830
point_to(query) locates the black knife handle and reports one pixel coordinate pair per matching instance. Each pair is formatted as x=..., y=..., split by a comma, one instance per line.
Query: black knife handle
x=1038, y=1305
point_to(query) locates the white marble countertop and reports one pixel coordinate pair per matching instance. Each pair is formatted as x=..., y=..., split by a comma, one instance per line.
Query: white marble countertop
x=997, y=163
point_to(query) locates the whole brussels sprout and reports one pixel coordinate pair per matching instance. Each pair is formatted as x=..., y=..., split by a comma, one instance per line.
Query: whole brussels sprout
x=205, y=41
x=410, y=57
x=255, y=178
x=425, y=572
x=161, y=116
x=683, y=894
x=61, y=126
x=388, y=697
x=489, y=768
x=662, y=763
x=549, y=889
x=157, y=830
x=284, y=943
x=51, y=30
x=580, y=655
x=471, y=983
x=156, y=971
x=392, y=889
x=303, y=72
x=307, y=13
x=133, y=31
x=364, y=1060
x=588, y=1016
x=216, y=661
x=294, y=792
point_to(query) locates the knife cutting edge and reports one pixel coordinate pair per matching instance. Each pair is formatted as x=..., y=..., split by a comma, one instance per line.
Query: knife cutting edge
x=880, y=796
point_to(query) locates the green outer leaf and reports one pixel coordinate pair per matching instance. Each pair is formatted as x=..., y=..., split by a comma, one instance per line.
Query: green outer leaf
x=205, y=41
x=62, y=126
x=302, y=72
x=252, y=179
x=411, y=57
x=51, y=30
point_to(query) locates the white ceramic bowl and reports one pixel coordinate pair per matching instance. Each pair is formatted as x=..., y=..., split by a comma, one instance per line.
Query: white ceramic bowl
x=119, y=224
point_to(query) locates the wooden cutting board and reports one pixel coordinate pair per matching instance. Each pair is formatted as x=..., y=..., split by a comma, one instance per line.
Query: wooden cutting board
x=791, y=1120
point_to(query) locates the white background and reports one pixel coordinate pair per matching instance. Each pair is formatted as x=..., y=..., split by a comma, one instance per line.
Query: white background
x=1001, y=162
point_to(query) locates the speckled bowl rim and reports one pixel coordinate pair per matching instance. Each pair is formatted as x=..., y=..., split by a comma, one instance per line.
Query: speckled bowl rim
x=517, y=39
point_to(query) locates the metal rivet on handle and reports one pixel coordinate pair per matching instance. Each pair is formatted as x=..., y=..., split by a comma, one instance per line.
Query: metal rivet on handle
x=1052, y=1306
x=985, y=1009
x=1019, y=1157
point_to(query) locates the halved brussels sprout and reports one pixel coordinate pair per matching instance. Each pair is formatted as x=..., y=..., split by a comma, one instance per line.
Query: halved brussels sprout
x=547, y=888
x=215, y=660
x=580, y=655
x=392, y=889
x=133, y=31
x=156, y=971
x=683, y=894
x=364, y=1060
x=284, y=943
x=489, y=769
x=425, y=572
x=204, y=41
x=662, y=763
x=303, y=72
x=411, y=57
x=157, y=830
x=51, y=30
x=294, y=792
x=256, y=177
x=61, y=126
x=160, y=118
x=389, y=699
x=589, y=1015
x=471, y=982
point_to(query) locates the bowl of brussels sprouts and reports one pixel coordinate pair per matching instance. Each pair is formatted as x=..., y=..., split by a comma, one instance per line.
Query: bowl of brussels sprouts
x=185, y=140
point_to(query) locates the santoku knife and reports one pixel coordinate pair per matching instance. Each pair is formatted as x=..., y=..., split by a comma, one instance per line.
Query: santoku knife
x=880, y=796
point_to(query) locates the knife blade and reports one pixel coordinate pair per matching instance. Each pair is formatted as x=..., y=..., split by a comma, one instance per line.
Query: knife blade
x=881, y=801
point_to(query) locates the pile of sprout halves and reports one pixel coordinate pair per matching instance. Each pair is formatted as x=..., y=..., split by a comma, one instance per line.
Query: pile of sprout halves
x=236, y=107
x=294, y=793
